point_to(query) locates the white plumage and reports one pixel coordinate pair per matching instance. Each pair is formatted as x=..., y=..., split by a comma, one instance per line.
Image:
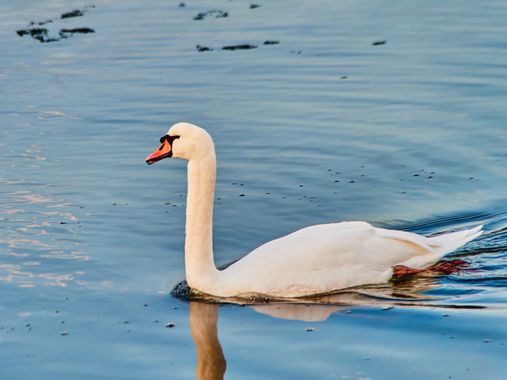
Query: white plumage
x=314, y=260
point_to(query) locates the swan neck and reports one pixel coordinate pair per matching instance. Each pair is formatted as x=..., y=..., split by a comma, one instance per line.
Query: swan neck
x=199, y=264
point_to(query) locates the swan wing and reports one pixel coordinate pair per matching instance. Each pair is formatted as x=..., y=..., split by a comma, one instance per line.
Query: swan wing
x=327, y=257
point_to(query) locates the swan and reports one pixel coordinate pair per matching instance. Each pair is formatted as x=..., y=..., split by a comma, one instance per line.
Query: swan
x=315, y=260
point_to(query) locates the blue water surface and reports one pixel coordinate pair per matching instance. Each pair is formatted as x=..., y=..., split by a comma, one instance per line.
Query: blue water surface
x=408, y=132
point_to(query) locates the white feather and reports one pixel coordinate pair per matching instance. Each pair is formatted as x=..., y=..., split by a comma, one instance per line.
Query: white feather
x=314, y=260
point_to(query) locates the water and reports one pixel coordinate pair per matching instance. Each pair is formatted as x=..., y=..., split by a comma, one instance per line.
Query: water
x=91, y=238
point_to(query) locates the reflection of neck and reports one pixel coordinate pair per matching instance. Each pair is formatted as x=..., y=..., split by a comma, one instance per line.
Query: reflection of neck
x=211, y=363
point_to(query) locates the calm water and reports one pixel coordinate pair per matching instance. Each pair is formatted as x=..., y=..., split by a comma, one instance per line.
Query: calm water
x=322, y=127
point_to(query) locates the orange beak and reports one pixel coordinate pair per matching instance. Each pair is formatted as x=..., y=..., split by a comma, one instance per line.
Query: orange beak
x=164, y=151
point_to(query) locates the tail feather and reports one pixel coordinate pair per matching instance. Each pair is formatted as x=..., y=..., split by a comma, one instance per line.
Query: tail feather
x=447, y=243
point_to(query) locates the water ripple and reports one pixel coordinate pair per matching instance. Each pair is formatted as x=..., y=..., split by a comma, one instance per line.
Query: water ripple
x=37, y=229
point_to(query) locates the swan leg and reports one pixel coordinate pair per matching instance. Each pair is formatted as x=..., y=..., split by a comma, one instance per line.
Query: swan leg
x=402, y=270
x=448, y=267
x=444, y=267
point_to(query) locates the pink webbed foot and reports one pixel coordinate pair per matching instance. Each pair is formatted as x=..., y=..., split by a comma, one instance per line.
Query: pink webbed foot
x=443, y=267
x=402, y=270
x=449, y=267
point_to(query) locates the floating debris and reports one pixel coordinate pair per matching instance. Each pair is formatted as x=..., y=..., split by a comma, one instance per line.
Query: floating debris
x=239, y=47
x=271, y=42
x=182, y=5
x=203, y=48
x=378, y=43
x=64, y=333
x=215, y=13
x=64, y=33
x=74, y=13
x=170, y=325
x=42, y=34
x=41, y=22
x=253, y=6
x=310, y=329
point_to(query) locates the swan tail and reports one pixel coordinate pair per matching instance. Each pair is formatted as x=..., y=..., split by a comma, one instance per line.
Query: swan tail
x=450, y=242
x=433, y=249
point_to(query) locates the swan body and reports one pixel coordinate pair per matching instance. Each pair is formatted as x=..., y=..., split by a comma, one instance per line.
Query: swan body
x=314, y=260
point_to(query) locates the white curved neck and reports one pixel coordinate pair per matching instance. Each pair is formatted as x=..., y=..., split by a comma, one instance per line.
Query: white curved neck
x=199, y=265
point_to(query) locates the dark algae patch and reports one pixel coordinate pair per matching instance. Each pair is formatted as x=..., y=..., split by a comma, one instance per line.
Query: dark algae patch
x=201, y=48
x=34, y=32
x=41, y=22
x=74, y=13
x=64, y=33
x=39, y=34
x=214, y=13
x=43, y=35
x=217, y=13
x=239, y=47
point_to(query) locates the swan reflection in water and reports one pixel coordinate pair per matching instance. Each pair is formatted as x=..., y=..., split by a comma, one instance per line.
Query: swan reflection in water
x=203, y=321
x=203, y=316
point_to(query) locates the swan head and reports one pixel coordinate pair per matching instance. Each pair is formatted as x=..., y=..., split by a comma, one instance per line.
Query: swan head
x=185, y=141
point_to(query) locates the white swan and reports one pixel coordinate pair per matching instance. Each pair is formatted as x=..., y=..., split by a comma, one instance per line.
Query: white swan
x=314, y=260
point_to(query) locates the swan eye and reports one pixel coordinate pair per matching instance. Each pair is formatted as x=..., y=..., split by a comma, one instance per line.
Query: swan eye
x=168, y=138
